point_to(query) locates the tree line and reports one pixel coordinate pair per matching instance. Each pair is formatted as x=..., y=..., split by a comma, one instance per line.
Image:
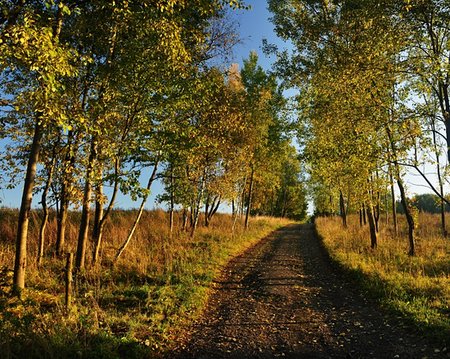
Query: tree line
x=97, y=94
x=373, y=102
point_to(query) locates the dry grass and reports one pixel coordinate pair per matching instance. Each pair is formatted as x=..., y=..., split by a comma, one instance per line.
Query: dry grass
x=160, y=283
x=418, y=287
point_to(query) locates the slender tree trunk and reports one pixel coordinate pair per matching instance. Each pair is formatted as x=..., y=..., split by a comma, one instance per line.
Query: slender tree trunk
x=69, y=280
x=61, y=223
x=377, y=213
x=214, y=207
x=360, y=217
x=409, y=217
x=373, y=231
x=443, y=224
x=103, y=215
x=446, y=115
x=64, y=195
x=249, y=199
x=80, y=258
x=197, y=206
x=441, y=185
x=185, y=219
x=83, y=233
x=20, y=261
x=235, y=218
x=386, y=205
x=172, y=200
x=242, y=203
x=364, y=214
x=45, y=213
x=404, y=200
x=342, y=209
x=98, y=213
x=376, y=218
x=207, y=210
x=140, y=211
x=394, y=205
x=442, y=91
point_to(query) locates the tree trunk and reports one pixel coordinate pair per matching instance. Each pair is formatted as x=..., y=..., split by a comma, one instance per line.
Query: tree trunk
x=446, y=115
x=442, y=88
x=191, y=214
x=441, y=185
x=377, y=213
x=185, y=219
x=172, y=200
x=242, y=204
x=342, y=209
x=394, y=205
x=84, y=225
x=364, y=214
x=103, y=215
x=214, y=207
x=64, y=195
x=443, y=224
x=409, y=217
x=69, y=280
x=45, y=213
x=207, y=210
x=373, y=231
x=249, y=199
x=197, y=206
x=20, y=261
x=386, y=205
x=360, y=217
x=61, y=223
x=404, y=200
x=139, y=214
x=80, y=258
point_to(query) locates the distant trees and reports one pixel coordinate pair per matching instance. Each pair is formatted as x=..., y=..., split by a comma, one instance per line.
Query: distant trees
x=425, y=202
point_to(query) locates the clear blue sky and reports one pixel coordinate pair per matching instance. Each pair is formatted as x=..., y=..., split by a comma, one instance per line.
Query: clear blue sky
x=253, y=26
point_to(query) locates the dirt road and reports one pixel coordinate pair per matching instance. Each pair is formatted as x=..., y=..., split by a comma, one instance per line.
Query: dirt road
x=282, y=298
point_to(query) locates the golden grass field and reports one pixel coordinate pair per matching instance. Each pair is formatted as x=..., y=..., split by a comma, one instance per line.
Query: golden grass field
x=159, y=285
x=418, y=287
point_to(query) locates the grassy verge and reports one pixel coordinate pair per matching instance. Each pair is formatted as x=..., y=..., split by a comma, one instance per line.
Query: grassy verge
x=417, y=287
x=131, y=310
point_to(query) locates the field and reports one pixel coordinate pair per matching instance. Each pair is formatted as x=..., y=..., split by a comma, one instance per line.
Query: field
x=417, y=288
x=135, y=306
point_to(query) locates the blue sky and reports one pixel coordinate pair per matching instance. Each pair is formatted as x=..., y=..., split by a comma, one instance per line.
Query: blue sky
x=253, y=26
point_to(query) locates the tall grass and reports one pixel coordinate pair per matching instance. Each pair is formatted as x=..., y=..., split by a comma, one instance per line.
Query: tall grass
x=417, y=287
x=130, y=309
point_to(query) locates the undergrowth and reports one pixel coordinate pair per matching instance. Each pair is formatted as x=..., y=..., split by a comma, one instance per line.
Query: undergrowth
x=129, y=310
x=417, y=288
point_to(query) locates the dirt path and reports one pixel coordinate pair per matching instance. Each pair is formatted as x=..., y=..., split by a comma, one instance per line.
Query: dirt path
x=283, y=299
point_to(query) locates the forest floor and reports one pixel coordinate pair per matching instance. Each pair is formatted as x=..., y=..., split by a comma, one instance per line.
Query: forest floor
x=283, y=298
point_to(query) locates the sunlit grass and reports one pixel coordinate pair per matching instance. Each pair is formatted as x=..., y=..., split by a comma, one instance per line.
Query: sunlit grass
x=418, y=287
x=160, y=284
